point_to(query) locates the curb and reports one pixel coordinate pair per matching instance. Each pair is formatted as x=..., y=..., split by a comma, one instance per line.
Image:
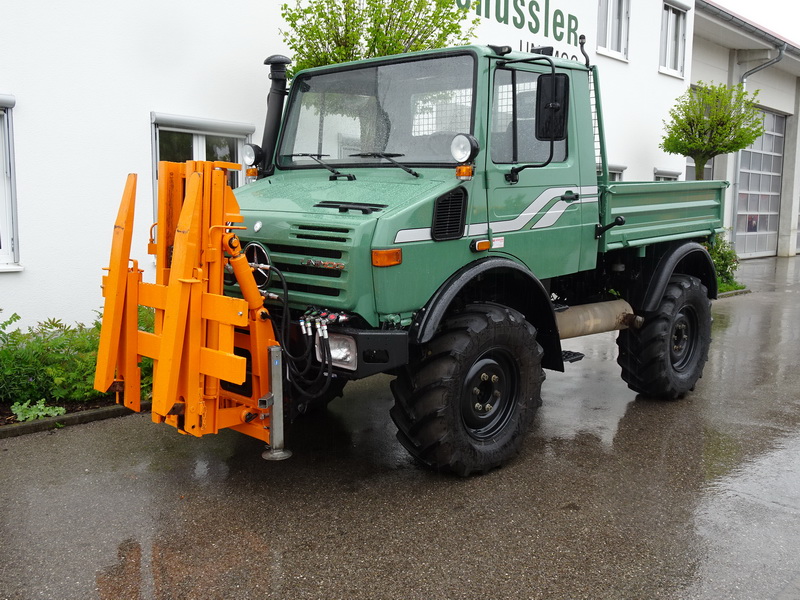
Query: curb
x=733, y=293
x=76, y=418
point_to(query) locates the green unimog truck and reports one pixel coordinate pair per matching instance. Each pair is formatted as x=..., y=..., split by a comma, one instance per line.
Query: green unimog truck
x=445, y=217
x=448, y=217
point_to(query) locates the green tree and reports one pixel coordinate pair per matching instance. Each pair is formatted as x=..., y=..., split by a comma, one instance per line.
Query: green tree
x=709, y=120
x=323, y=32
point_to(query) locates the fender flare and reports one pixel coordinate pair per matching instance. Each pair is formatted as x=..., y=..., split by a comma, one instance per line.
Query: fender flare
x=691, y=259
x=534, y=304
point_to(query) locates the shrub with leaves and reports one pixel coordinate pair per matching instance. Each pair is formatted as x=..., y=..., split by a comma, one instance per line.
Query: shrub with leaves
x=726, y=262
x=24, y=359
x=54, y=362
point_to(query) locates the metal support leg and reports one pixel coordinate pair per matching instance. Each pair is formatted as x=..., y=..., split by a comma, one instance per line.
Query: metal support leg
x=276, y=451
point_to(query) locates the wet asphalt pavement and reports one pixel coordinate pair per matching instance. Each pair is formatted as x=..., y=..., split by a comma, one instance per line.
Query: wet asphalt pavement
x=612, y=496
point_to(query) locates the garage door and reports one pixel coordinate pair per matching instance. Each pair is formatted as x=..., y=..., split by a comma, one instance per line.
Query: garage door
x=760, y=191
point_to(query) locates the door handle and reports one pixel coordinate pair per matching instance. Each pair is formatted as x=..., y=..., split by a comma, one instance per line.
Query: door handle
x=570, y=196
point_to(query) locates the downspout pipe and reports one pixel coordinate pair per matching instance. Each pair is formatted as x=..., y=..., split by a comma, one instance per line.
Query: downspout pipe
x=743, y=80
x=767, y=64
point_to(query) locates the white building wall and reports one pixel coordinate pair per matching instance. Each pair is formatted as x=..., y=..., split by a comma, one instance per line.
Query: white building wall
x=86, y=75
x=710, y=62
x=776, y=89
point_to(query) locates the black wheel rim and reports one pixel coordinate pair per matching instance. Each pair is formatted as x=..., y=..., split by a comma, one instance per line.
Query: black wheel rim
x=489, y=393
x=683, y=340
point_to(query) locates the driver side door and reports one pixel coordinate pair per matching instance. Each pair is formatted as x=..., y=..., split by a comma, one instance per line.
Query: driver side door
x=536, y=219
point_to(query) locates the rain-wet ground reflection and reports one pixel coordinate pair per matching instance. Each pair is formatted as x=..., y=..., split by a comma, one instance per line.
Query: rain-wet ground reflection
x=589, y=397
x=748, y=521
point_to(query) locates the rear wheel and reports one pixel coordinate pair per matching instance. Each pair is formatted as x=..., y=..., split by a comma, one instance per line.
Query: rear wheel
x=666, y=356
x=466, y=405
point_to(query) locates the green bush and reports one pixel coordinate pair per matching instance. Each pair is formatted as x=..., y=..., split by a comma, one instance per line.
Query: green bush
x=726, y=262
x=50, y=361
x=55, y=362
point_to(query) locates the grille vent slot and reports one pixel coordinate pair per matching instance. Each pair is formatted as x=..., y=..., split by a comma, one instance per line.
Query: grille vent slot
x=449, y=215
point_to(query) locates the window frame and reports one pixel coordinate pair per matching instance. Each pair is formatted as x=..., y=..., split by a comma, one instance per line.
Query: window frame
x=514, y=85
x=199, y=128
x=673, y=14
x=9, y=256
x=666, y=175
x=616, y=172
x=606, y=20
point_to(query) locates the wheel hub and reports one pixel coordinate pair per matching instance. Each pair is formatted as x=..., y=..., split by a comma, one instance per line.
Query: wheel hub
x=683, y=343
x=489, y=394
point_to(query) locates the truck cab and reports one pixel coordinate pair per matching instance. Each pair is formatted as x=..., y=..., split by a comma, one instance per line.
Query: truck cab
x=410, y=157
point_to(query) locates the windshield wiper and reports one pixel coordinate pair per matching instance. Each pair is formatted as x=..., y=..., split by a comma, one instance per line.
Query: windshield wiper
x=388, y=156
x=317, y=157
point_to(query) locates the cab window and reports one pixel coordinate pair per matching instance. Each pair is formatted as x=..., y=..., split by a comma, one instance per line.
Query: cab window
x=513, y=128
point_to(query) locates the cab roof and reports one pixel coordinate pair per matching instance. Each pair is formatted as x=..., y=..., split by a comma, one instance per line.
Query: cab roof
x=480, y=51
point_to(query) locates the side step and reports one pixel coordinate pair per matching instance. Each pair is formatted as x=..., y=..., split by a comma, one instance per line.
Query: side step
x=568, y=356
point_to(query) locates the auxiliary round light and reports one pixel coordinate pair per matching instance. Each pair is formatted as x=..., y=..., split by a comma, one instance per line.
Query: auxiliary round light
x=252, y=154
x=464, y=147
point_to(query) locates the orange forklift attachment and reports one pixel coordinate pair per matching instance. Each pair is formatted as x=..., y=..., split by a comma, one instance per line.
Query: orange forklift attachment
x=216, y=363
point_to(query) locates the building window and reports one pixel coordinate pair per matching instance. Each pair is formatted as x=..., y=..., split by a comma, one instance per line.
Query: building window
x=612, y=26
x=9, y=247
x=178, y=139
x=797, y=249
x=615, y=172
x=673, y=39
x=665, y=175
x=708, y=170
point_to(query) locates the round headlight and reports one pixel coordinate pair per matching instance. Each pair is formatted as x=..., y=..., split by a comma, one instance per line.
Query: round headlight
x=252, y=154
x=464, y=147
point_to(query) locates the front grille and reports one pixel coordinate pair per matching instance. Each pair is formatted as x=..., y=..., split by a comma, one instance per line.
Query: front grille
x=314, y=259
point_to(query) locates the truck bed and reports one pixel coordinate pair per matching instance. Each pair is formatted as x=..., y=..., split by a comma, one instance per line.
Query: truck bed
x=660, y=211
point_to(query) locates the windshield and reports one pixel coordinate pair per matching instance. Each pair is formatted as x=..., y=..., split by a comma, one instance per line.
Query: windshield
x=409, y=111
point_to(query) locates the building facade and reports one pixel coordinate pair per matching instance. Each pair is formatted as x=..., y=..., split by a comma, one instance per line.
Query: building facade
x=90, y=91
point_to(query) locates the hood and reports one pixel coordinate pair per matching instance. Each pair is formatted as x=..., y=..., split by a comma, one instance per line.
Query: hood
x=310, y=191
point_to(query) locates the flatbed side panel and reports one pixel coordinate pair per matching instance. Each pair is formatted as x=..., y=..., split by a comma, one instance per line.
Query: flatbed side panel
x=660, y=211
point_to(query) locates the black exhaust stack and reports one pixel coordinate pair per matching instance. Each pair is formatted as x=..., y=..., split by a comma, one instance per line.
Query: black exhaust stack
x=277, y=92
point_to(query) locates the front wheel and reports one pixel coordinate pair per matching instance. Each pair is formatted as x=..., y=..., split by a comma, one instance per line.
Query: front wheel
x=466, y=405
x=666, y=356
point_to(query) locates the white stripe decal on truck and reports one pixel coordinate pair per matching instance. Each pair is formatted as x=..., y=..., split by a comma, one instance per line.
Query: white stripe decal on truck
x=587, y=194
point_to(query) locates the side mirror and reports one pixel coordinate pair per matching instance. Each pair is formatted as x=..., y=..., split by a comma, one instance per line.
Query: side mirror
x=552, y=101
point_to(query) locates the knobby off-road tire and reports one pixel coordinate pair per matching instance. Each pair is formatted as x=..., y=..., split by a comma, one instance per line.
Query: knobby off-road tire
x=665, y=358
x=466, y=405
